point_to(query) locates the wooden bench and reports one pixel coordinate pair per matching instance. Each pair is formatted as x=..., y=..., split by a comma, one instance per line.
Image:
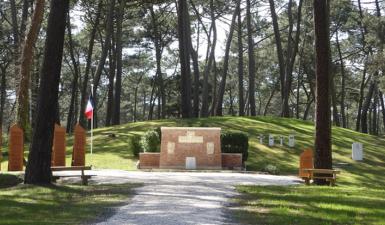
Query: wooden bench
x=326, y=174
x=84, y=177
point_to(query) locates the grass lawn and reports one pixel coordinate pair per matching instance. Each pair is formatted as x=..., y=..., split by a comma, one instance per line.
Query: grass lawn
x=359, y=181
x=70, y=204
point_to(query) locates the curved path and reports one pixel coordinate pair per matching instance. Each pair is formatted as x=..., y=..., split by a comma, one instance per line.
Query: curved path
x=176, y=198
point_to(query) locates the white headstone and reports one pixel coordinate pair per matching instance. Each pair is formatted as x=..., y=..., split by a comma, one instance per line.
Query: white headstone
x=281, y=140
x=261, y=139
x=191, y=163
x=291, y=141
x=271, y=140
x=357, y=151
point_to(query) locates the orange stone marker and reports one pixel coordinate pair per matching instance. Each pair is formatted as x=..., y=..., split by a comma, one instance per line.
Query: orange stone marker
x=16, y=149
x=59, y=146
x=305, y=162
x=78, y=154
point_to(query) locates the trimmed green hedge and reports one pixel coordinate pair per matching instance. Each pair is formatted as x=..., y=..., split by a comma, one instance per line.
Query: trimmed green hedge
x=235, y=142
x=150, y=141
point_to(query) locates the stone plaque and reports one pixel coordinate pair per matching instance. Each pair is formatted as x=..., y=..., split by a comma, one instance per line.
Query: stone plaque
x=210, y=148
x=281, y=140
x=261, y=139
x=190, y=138
x=191, y=163
x=357, y=151
x=170, y=147
x=78, y=154
x=16, y=149
x=271, y=140
x=59, y=146
x=291, y=141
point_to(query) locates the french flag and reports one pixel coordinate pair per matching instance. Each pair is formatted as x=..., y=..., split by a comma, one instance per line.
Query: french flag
x=90, y=108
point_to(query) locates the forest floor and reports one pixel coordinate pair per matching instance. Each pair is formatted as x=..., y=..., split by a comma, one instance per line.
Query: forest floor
x=359, y=182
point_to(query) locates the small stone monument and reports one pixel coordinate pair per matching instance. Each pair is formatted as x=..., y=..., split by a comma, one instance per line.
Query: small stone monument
x=78, y=154
x=291, y=141
x=357, y=151
x=271, y=140
x=281, y=140
x=59, y=146
x=16, y=149
x=261, y=139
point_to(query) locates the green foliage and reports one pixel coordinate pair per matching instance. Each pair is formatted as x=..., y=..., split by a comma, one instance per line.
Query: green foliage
x=235, y=142
x=150, y=141
x=8, y=180
x=271, y=169
x=135, y=145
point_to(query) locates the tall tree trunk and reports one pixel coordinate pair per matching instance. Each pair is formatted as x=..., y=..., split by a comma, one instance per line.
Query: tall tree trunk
x=90, y=50
x=323, y=151
x=281, y=61
x=381, y=96
x=241, y=101
x=374, y=109
x=343, y=116
x=184, y=35
x=222, y=86
x=3, y=93
x=209, y=64
x=22, y=108
x=365, y=108
x=38, y=169
x=251, y=61
x=119, y=62
x=336, y=118
x=74, y=86
x=104, y=53
x=111, y=78
x=361, y=98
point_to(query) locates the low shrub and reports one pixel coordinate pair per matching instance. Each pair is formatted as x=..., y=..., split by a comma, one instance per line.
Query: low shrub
x=271, y=169
x=235, y=142
x=135, y=145
x=150, y=141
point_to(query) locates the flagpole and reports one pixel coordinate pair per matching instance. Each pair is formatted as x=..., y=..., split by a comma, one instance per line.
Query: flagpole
x=92, y=118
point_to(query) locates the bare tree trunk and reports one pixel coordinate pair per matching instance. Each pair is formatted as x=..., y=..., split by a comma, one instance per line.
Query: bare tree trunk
x=251, y=61
x=323, y=151
x=39, y=159
x=91, y=43
x=74, y=86
x=119, y=63
x=336, y=118
x=222, y=86
x=22, y=108
x=111, y=78
x=365, y=108
x=343, y=116
x=241, y=101
x=381, y=96
x=184, y=35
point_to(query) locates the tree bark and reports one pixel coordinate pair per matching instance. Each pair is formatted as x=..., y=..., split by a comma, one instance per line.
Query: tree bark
x=222, y=86
x=38, y=169
x=251, y=61
x=241, y=101
x=365, y=108
x=111, y=78
x=91, y=43
x=342, y=66
x=22, y=108
x=184, y=36
x=119, y=63
x=336, y=118
x=323, y=152
x=381, y=96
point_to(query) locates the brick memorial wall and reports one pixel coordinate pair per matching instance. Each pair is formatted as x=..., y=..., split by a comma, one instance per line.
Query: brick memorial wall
x=183, y=147
x=231, y=160
x=16, y=149
x=149, y=160
x=59, y=146
x=78, y=154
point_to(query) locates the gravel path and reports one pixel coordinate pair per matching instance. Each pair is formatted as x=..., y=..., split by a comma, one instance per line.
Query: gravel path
x=176, y=198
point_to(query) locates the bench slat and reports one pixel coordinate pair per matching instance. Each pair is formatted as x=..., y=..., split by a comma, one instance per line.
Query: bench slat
x=71, y=168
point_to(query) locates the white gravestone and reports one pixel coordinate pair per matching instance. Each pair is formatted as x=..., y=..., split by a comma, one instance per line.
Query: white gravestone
x=271, y=140
x=291, y=141
x=261, y=139
x=281, y=140
x=191, y=163
x=357, y=151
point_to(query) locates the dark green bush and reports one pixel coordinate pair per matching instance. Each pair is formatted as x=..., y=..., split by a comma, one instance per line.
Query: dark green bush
x=150, y=141
x=235, y=142
x=135, y=145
